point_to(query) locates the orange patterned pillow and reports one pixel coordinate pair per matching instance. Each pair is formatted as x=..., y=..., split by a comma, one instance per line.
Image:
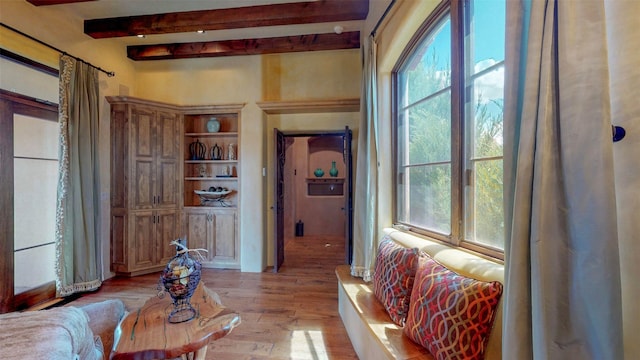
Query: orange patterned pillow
x=449, y=314
x=393, y=277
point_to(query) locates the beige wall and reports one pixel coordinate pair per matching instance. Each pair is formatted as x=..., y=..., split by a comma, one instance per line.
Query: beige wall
x=64, y=32
x=245, y=79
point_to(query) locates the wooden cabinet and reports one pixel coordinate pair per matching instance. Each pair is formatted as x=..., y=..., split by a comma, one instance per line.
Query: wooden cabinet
x=212, y=223
x=214, y=229
x=146, y=184
x=154, y=179
x=155, y=158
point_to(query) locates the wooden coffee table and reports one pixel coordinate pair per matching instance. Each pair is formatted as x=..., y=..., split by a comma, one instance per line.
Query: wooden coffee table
x=146, y=333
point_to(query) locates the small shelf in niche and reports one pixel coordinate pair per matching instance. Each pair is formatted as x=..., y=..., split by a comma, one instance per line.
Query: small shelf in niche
x=326, y=180
x=329, y=187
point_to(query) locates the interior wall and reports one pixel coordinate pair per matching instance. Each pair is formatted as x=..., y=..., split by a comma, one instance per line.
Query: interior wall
x=312, y=122
x=246, y=79
x=53, y=26
x=624, y=58
x=321, y=215
x=392, y=37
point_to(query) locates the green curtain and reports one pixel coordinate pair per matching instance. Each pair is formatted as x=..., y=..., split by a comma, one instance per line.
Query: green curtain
x=562, y=271
x=78, y=264
x=365, y=220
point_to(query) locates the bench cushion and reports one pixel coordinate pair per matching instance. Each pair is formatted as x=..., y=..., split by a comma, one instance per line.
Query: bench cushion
x=393, y=277
x=451, y=315
x=373, y=335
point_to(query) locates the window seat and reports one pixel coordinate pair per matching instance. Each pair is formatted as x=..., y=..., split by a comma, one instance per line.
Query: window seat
x=370, y=329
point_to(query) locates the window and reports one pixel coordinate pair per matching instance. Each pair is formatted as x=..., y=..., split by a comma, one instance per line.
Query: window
x=448, y=126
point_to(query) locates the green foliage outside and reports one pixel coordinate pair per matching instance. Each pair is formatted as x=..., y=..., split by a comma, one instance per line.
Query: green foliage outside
x=429, y=141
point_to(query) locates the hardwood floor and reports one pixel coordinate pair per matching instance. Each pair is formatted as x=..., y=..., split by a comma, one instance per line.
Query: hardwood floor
x=289, y=315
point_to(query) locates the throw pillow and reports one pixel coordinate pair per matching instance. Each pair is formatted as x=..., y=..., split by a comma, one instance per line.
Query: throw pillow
x=449, y=314
x=393, y=276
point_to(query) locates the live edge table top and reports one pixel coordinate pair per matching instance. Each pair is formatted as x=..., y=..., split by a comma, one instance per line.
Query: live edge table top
x=146, y=333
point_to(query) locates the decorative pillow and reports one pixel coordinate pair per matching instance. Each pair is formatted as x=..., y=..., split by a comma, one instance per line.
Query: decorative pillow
x=449, y=314
x=393, y=277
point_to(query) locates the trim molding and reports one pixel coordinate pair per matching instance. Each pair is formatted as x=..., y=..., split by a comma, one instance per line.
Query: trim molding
x=310, y=106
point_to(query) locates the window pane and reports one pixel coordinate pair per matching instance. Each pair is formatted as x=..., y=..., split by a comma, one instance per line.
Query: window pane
x=427, y=193
x=429, y=69
x=486, y=114
x=487, y=29
x=484, y=61
x=430, y=131
x=484, y=208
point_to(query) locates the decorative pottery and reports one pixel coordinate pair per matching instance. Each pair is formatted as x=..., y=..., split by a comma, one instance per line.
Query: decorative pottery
x=231, y=152
x=215, y=152
x=333, y=172
x=213, y=125
x=319, y=172
x=197, y=150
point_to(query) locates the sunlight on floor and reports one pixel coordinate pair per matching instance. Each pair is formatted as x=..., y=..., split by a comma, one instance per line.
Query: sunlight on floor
x=307, y=344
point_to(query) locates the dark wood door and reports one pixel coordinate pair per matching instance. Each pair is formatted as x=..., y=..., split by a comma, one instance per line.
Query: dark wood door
x=348, y=212
x=278, y=193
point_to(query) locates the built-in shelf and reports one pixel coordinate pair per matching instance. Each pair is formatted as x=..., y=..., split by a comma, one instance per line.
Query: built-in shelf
x=212, y=134
x=211, y=161
x=209, y=178
x=333, y=180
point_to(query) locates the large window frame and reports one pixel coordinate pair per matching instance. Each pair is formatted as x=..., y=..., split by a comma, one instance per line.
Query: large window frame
x=457, y=11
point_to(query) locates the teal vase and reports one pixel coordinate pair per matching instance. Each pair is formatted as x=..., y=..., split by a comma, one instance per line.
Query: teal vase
x=334, y=170
x=319, y=172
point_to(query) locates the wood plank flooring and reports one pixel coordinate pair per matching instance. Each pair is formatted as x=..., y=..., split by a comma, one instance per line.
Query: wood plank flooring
x=289, y=315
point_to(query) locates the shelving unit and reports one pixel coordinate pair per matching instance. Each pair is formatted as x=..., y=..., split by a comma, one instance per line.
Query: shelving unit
x=205, y=173
x=212, y=225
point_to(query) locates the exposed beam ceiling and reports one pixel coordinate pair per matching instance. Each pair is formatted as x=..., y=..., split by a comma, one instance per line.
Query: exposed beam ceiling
x=256, y=25
x=235, y=18
x=55, y=2
x=256, y=46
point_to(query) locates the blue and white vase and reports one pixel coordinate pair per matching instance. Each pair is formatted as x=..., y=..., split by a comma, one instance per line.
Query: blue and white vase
x=213, y=125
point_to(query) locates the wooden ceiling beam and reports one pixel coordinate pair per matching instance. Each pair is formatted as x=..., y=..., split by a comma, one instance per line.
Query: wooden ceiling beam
x=234, y=18
x=315, y=42
x=55, y=2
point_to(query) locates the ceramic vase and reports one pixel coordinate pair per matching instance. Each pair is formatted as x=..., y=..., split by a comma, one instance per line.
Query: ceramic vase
x=334, y=170
x=213, y=125
x=319, y=172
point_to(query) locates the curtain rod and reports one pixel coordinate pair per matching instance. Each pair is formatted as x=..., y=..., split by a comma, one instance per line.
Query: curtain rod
x=384, y=15
x=109, y=73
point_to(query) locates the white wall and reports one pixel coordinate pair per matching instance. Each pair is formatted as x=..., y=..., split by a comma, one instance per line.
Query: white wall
x=624, y=61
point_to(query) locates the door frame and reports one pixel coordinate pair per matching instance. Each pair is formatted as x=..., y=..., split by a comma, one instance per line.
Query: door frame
x=278, y=218
x=10, y=104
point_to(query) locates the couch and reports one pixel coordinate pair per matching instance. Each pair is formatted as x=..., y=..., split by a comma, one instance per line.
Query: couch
x=64, y=333
x=372, y=332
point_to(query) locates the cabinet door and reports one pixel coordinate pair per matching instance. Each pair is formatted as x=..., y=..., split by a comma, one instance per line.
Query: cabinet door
x=167, y=159
x=225, y=247
x=168, y=228
x=142, y=147
x=142, y=246
x=198, y=224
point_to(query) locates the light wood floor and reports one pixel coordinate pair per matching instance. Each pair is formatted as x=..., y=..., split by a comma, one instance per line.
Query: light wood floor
x=289, y=315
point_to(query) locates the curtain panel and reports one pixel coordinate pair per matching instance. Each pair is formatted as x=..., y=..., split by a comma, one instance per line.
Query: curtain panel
x=366, y=196
x=78, y=264
x=562, y=281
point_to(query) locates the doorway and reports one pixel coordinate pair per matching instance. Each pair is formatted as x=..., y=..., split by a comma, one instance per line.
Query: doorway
x=311, y=202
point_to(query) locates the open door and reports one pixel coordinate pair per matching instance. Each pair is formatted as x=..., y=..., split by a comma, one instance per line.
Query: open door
x=348, y=238
x=278, y=193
